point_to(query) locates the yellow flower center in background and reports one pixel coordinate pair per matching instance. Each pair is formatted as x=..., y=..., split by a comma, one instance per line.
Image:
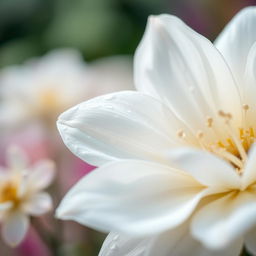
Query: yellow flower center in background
x=49, y=104
x=9, y=192
x=48, y=100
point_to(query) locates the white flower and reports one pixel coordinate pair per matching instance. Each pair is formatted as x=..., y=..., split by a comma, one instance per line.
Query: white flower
x=21, y=194
x=109, y=74
x=42, y=88
x=177, y=163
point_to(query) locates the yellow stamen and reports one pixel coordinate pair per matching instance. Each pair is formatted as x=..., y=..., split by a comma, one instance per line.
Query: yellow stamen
x=235, y=139
x=230, y=157
x=9, y=192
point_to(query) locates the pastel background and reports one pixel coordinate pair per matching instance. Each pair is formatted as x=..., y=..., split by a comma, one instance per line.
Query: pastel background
x=57, y=53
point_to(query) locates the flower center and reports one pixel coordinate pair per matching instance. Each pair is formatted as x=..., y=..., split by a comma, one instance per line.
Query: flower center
x=49, y=104
x=9, y=192
x=48, y=99
x=246, y=138
x=235, y=146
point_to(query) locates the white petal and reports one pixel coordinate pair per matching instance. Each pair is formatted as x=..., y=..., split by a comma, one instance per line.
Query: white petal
x=116, y=245
x=185, y=70
x=176, y=242
x=250, y=243
x=249, y=86
x=118, y=126
x=236, y=40
x=205, y=167
x=132, y=196
x=250, y=69
x=16, y=158
x=42, y=174
x=224, y=220
x=6, y=206
x=249, y=175
x=179, y=242
x=15, y=228
x=38, y=204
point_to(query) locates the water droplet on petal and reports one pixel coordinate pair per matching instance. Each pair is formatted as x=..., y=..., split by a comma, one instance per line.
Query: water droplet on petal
x=115, y=237
x=113, y=247
x=109, y=97
x=109, y=107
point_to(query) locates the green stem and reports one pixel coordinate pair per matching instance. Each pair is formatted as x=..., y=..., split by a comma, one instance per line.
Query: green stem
x=245, y=253
x=48, y=237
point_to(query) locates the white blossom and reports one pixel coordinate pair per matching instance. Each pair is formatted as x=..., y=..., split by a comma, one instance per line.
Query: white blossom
x=21, y=193
x=41, y=88
x=177, y=165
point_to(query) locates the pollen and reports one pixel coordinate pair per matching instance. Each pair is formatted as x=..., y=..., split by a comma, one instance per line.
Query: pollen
x=9, y=192
x=247, y=137
x=226, y=116
x=181, y=134
x=200, y=134
x=235, y=149
x=236, y=146
x=245, y=107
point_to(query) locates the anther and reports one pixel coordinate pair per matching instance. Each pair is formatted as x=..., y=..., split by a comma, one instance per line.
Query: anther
x=209, y=122
x=221, y=113
x=226, y=116
x=245, y=107
x=181, y=134
x=229, y=116
x=199, y=134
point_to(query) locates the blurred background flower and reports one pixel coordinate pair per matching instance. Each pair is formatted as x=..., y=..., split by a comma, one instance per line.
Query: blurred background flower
x=57, y=53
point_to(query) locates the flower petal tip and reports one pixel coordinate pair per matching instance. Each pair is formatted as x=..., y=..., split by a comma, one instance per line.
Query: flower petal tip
x=62, y=213
x=155, y=22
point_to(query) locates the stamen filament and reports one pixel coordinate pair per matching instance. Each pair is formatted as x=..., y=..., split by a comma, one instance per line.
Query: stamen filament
x=245, y=115
x=227, y=117
x=230, y=157
x=238, y=144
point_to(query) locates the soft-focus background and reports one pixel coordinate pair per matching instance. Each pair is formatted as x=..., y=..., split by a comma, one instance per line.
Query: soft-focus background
x=97, y=27
x=57, y=53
